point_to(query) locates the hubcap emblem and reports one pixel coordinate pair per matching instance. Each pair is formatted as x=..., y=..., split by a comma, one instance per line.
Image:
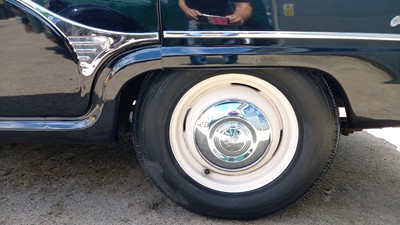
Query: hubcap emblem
x=232, y=135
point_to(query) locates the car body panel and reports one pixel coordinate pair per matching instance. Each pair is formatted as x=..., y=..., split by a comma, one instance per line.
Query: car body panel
x=54, y=76
x=37, y=72
x=99, y=124
x=354, y=43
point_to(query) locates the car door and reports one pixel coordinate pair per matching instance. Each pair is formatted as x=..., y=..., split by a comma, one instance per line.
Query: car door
x=51, y=50
x=295, y=33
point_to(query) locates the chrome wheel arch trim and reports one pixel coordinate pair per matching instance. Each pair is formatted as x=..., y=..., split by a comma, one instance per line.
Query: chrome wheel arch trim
x=282, y=35
x=91, y=45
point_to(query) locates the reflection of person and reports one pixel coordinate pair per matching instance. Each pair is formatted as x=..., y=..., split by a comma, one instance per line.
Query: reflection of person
x=242, y=9
x=236, y=13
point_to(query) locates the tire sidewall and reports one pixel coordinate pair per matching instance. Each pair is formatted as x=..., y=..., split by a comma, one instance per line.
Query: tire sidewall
x=314, y=150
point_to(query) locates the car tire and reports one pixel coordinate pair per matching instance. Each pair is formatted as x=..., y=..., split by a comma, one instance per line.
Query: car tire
x=235, y=144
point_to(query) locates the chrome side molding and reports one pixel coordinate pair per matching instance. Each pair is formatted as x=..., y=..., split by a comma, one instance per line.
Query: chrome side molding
x=46, y=125
x=283, y=35
x=90, y=44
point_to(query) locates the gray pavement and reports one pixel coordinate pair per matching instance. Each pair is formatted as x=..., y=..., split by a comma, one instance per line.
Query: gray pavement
x=104, y=184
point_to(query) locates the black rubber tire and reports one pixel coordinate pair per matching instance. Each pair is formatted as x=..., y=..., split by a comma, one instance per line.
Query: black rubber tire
x=317, y=115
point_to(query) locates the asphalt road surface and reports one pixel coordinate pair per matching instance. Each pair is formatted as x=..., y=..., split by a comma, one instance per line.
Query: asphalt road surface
x=104, y=184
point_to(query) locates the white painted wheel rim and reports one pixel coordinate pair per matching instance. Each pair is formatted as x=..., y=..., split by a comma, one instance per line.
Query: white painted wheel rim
x=283, y=131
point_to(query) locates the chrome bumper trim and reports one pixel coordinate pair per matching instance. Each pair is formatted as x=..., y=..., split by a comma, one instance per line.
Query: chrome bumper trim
x=283, y=35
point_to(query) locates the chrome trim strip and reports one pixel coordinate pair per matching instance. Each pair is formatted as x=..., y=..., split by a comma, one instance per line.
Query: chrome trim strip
x=134, y=58
x=90, y=44
x=282, y=35
x=46, y=125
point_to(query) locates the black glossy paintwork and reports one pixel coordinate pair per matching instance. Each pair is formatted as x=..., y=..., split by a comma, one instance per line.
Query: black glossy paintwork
x=104, y=102
x=100, y=17
x=39, y=75
x=371, y=86
x=38, y=67
x=48, y=84
x=368, y=16
x=115, y=15
x=367, y=71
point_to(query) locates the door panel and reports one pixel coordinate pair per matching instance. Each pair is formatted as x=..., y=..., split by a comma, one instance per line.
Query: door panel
x=339, y=16
x=367, y=16
x=355, y=41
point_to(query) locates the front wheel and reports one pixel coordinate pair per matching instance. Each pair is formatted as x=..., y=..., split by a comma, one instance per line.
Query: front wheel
x=235, y=145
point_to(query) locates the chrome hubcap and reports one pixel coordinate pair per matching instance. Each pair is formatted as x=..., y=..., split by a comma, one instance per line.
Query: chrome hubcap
x=232, y=135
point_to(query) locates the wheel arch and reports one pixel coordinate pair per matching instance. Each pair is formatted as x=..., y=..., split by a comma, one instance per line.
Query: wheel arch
x=129, y=91
x=127, y=96
x=363, y=84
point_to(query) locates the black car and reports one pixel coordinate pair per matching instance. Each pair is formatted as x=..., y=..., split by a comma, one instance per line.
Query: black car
x=233, y=104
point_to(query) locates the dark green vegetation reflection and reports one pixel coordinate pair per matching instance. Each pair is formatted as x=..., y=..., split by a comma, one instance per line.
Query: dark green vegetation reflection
x=115, y=15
